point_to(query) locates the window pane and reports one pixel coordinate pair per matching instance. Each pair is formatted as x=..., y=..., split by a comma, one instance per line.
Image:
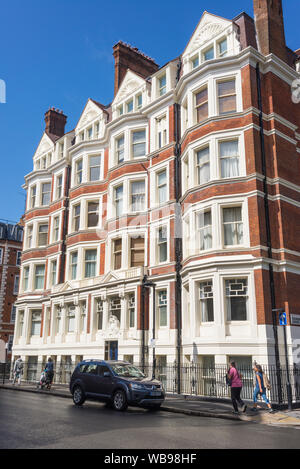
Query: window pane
x=137, y=196
x=209, y=54
x=90, y=263
x=203, y=166
x=95, y=168
x=93, y=214
x=139, y=143
x=226, y=87
x=223, y=47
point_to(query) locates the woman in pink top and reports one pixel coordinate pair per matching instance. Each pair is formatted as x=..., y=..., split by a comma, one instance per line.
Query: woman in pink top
x=236, y=385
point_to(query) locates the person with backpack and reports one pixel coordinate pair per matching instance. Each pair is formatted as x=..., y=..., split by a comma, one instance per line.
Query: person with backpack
x=18, y=371
x=234, y=380
x=261, y=386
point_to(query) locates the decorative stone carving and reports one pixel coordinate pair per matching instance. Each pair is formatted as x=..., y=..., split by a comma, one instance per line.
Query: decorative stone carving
x=206, y=33
x=113, y=326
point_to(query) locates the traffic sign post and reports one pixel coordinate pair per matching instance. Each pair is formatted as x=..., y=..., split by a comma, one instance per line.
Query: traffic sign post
x=283, y=322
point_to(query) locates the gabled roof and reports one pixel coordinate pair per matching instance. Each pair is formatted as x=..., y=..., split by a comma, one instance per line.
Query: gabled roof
x=91, y=111
x=131, y=82
x=208, y=27
x=45, y=144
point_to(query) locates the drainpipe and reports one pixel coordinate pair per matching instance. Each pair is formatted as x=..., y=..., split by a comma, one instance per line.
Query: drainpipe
x=268, y=231
x=178, y=236
x=65, y=229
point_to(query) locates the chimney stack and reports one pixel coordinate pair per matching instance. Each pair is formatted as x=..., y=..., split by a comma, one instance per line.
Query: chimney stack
x=130, y=57
x=55, y=122
x=270, y=28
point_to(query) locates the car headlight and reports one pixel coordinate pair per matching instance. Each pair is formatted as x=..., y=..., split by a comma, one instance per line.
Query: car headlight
x=136, y=387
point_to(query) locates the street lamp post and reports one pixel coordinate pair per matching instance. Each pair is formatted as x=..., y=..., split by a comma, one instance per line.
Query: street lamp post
x=149, y=284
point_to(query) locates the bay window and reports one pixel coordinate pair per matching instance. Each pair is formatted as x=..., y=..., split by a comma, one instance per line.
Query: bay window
x=138, y=143
x=205, y=230
x=90, y=263
x=93, y=214
x=203, y=165
x=206, y=301
x=46, y=193
x=236, y=299
x=137, y=196
x=73, y=265
x=201, y=104
x=233, y=226
x=137, y=252
x=43, y=235
x=117, y=254
x=227, y=97
x=229, y=158
x=39, y=277
x=119, y=200
x=95, y=165
x=36, y=321
x=120, y=145
x=78, y=172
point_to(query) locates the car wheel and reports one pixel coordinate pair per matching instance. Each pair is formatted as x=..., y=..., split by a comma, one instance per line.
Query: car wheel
x=119, y=401
x=78, y=396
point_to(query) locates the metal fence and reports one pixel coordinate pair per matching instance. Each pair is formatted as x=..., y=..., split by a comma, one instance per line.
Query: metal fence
x=195, y=380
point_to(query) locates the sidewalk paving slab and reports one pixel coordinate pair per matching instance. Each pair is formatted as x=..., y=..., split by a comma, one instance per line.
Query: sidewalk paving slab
x=191, y=405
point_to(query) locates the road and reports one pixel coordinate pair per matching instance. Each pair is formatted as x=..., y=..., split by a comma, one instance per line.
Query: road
x=48, y=422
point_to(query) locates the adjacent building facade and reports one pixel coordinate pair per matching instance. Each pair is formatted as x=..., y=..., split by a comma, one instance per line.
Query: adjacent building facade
x=189, y=179
x=11, y=241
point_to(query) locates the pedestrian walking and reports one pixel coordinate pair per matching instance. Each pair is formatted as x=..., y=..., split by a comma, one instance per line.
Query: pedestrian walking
x=260, y=388
x=49, y=371
x=18, y=371
x=235, y=382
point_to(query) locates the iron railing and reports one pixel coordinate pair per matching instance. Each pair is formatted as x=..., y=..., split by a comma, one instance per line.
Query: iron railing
x=196, y=380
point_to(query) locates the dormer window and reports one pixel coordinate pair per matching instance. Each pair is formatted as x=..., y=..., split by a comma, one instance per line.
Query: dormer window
x=61, y=150
x=139, y=101
x=162, y=85
x=129, y=106
x=209, y=54
x=81, y=136
x=195, y=62
x=222, y=48
x=90, y=133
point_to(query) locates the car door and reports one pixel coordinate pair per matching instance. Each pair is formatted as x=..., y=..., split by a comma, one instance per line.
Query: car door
x=90, y=378
x=105, y=381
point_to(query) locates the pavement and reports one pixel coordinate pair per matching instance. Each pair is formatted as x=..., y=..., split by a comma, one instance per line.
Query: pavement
x=192, y=406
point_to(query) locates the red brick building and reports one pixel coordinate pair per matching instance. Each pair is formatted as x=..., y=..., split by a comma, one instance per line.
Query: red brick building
x=11, y=240
x=190, y=178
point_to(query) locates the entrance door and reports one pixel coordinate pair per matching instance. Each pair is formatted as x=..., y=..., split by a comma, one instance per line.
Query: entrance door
x=111, y=350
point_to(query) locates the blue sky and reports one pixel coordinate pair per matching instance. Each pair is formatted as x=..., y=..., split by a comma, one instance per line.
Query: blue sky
x=59, y=53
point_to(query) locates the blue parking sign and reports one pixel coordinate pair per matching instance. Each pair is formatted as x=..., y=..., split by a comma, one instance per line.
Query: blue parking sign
x=282, y=319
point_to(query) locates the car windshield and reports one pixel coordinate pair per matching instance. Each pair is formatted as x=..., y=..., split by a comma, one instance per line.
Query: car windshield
x=128, y=371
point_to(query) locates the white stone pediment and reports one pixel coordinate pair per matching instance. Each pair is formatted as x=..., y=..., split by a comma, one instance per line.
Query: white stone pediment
x=89, y=114
x=44, y=146
x=110, y=277
x=63, y=288
x=208, y=28
x=129, y=85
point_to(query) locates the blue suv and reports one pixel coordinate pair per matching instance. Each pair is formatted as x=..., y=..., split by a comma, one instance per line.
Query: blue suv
x=117, y=383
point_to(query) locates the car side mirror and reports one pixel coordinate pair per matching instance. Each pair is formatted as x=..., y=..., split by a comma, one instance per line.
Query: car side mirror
x=106, y=374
